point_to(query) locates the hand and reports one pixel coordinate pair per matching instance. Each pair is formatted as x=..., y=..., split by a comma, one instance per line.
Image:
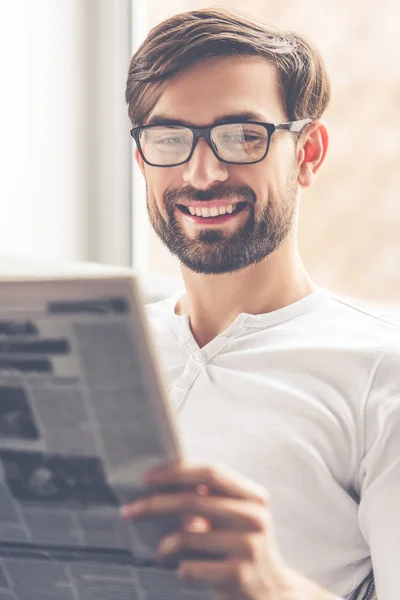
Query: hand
x=226, y=517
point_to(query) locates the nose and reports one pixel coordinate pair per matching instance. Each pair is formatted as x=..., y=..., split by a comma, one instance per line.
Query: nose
x=204, y=169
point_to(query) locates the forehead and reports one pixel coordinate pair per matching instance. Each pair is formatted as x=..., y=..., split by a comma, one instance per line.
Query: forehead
x=221, y=86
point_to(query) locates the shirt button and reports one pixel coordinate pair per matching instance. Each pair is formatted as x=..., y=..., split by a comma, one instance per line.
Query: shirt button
x=200, y=357
x=233, y=330
x=183, y=383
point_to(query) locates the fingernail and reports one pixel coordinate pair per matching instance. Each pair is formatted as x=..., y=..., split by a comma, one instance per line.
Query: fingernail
x=130, y=510
x=124, y=511
x=166, y=546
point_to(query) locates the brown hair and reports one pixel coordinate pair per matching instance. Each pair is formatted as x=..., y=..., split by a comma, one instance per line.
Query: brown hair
x=186, y=38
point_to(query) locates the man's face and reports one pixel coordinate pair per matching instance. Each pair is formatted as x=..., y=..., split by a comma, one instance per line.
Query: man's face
x=266, y=190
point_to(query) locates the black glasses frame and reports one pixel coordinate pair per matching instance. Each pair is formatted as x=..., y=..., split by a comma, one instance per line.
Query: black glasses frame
x=205, y=132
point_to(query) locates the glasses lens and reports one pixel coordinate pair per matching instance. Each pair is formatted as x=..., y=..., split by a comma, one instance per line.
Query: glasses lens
x=240, y=142
x=163, y=146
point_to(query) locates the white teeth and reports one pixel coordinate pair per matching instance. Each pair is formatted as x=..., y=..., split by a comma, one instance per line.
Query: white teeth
x=214, y=211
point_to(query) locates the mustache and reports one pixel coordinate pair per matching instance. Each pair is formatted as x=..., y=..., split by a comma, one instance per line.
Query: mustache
x=218, y=192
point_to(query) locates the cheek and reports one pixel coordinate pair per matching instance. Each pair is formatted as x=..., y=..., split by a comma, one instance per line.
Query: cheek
x=274, y=180
x=261, y=181
x=156, y=202
x=156, y=187
x=158, y=182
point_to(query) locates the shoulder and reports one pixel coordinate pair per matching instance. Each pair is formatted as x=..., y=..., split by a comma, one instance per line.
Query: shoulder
x=377, y=329
x=348, y=319
x=161, y=315
x=159, y=310
x=162, y=309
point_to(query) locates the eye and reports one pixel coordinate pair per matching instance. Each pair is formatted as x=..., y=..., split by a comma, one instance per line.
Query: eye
x=252, y=137
x=169, y=141
x=241, y=137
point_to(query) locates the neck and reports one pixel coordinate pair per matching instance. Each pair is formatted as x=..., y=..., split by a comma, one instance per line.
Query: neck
x=213, y=302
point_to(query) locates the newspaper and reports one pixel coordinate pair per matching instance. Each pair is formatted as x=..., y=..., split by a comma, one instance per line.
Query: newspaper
x=82, y=419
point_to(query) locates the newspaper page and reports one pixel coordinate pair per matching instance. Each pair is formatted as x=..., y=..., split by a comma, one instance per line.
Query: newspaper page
x=82, y=418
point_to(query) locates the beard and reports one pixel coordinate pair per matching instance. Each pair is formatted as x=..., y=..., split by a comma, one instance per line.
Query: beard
x=213, y=251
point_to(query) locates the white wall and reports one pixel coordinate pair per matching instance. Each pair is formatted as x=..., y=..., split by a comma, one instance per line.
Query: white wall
x=65, y=151
x=141, y=230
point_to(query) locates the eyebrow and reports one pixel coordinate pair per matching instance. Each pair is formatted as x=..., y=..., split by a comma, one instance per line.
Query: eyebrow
x=162, y=119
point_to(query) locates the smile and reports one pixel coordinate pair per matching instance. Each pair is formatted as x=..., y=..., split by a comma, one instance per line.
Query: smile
x=213, y=211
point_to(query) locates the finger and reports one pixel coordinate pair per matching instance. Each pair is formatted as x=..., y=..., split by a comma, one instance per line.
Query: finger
x=195, y=524
x=219, y=543
x=220, y=512
x=218, y=479
x=223, y=575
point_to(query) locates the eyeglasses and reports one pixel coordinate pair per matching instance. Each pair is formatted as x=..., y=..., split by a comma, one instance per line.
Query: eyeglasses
x=234, y=143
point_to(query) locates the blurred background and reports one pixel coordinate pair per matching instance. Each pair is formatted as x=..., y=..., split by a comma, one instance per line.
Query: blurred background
x=69, y=188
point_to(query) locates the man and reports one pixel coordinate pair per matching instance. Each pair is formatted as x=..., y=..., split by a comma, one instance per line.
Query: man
x=293, y=391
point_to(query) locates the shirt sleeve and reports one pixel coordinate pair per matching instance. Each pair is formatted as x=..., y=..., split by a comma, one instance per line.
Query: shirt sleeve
x=379, y=511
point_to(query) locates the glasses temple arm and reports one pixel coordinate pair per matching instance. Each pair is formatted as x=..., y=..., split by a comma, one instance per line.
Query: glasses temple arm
x=294, y=126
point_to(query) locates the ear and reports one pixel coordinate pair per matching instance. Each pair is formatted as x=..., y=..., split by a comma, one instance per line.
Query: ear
x=139, y=161
x=311, y=152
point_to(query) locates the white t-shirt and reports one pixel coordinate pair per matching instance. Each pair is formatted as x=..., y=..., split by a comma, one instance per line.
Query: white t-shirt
x=306, y=401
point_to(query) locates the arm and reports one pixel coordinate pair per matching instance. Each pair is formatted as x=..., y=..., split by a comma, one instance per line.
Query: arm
x=379, y=513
